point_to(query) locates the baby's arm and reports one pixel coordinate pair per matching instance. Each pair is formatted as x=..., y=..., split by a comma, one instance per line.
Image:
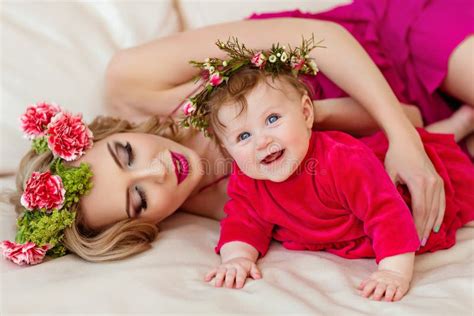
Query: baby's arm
x=238, y=262
x=387, y=220
x=392, y=279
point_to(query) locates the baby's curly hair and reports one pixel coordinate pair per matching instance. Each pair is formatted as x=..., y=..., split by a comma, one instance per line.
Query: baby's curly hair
x=240, y=85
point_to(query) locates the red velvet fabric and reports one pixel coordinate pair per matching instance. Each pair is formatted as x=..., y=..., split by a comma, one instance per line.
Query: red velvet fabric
x=342, y=201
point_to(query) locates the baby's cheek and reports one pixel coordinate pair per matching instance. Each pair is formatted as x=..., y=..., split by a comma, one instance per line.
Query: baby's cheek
x=246, y=164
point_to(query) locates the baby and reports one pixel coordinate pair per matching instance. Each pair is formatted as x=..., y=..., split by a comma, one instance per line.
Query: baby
x=317, y=191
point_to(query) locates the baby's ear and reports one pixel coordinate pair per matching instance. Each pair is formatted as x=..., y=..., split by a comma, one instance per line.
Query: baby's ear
x=308, y=110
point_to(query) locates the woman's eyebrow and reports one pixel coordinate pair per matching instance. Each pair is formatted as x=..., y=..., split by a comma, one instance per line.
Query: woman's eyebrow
x=114, y=156
x=119, y=164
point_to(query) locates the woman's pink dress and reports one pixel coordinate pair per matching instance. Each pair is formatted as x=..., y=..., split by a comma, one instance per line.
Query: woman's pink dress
x=409, y=40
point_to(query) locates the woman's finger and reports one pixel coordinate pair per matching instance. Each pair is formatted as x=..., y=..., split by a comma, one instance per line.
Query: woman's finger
x=433, y=202
x=441, y=210
x=416, y=187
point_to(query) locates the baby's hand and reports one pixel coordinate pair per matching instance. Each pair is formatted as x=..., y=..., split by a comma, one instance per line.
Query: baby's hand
x=385, y=284
x=234, y=271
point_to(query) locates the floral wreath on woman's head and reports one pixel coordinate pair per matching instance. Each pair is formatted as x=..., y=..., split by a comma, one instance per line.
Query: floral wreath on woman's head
x=49, y=197
x=215, y=71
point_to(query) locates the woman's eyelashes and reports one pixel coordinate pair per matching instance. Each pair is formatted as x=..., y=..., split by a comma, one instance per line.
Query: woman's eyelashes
x=143, y=202
x=142, y=205
x=130, y=155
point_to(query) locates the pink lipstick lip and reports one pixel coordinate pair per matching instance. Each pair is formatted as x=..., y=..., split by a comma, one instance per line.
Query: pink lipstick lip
x=181, y=166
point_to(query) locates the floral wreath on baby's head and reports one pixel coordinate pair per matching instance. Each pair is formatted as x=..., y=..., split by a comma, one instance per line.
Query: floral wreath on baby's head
x=49, y=198
x=215, y=72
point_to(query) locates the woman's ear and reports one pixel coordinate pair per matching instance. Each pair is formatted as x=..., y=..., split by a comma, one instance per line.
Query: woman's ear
x=308, y=110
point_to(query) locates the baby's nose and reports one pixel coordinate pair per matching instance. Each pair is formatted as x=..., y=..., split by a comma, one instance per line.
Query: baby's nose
x=263, y=141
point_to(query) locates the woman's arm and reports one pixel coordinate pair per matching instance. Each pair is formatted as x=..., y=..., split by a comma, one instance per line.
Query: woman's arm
x=153, y=78
x=345, y=114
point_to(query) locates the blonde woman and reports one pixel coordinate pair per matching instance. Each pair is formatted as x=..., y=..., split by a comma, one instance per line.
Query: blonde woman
x=135, y=185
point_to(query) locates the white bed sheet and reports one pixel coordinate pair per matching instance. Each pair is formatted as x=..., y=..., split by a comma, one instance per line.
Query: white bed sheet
x=168, y=279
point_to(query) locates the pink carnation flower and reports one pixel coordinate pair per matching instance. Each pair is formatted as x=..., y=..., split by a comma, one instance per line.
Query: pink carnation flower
x=22, y=254
x=43, y=191
x=69, y=137
x=189, y=108
x=258, y=60
x=215, y=79
x=36, y=119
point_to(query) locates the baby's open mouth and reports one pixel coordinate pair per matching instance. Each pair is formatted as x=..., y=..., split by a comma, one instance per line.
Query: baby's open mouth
x=273, y=157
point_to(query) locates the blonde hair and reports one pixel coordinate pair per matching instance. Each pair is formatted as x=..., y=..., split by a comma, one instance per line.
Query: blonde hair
x=239, y=86
x=120, y=240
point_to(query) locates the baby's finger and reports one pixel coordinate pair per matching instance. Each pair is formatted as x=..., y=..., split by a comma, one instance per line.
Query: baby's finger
x=390, y=292
x=363, y=283
x=369, y=288
x=240, y=278
x=398, y=295
x=220, y=277
x=230, y=277
x=210, y=275
x=379, y=291
x=255, y=272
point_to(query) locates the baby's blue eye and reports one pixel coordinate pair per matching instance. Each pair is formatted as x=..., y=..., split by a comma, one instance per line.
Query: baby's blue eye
x=243, y=136
x=272, y=118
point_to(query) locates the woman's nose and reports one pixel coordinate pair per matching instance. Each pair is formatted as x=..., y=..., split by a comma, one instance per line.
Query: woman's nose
x=155, y=171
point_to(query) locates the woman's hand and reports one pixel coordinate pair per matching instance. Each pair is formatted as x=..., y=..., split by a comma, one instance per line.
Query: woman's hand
x=234, y=271
x=407, y=163
x=388, y=285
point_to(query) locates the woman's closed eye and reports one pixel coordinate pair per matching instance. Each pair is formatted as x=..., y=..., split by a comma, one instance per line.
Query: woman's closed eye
x=125, y=154
x=138, y=194
x=129, y=150
x=142, y=204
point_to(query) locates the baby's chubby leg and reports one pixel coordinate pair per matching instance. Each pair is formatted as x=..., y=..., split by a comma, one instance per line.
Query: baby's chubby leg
x=392, y=279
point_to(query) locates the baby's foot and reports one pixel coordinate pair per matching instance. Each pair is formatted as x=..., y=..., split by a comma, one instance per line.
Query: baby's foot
x=461, y=123
x=464, y=119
